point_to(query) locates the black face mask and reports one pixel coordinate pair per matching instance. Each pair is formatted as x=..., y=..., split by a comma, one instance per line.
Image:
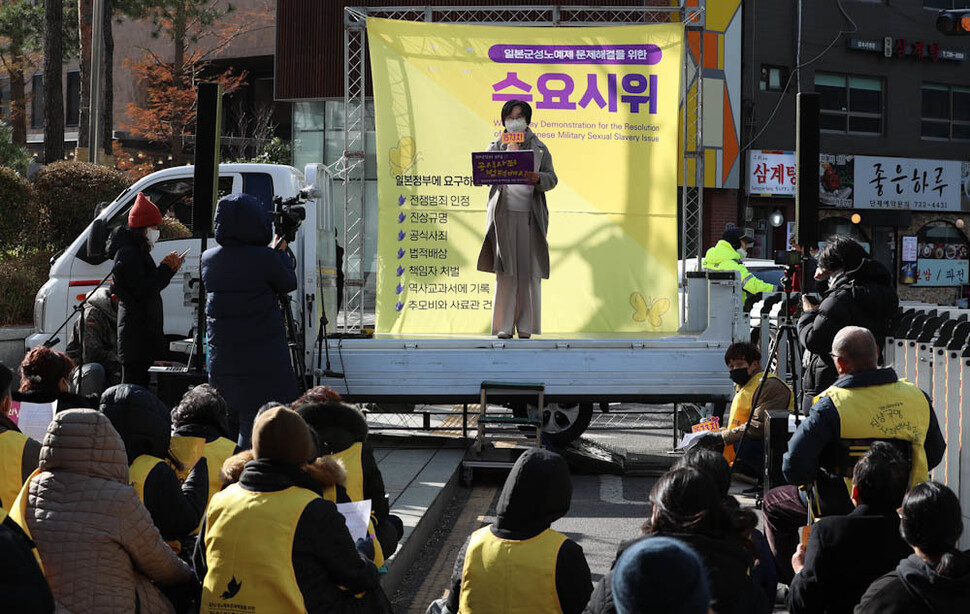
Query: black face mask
x=740, y=376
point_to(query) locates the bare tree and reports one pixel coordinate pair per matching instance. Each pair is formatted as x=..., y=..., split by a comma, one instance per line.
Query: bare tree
x=53, y=89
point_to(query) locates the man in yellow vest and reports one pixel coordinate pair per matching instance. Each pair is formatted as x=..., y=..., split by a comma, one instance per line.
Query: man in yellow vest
x=18, y=453
x=865, y=404
x=270, y=543
x=744, y=440
x=519, y=564
x=727, y=254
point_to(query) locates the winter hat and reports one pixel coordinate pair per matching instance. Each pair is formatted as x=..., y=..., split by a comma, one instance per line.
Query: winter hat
x=6, y=378
x=144, y=213
x=734, y=235
x=662, y=575
x=280, y=434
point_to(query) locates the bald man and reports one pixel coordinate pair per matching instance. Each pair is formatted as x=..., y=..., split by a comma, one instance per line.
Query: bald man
x=865, y=404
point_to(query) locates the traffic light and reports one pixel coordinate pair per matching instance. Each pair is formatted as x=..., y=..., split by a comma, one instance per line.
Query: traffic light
x=953, y=22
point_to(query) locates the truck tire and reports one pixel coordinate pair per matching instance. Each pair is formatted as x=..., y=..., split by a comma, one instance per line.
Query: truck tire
x=562, y=423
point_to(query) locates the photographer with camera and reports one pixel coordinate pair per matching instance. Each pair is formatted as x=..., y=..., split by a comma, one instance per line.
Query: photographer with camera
x=249, y=359
x=860, y=293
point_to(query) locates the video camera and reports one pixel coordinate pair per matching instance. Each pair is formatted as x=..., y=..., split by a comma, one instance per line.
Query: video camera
x=788, y=258
x=288, y=215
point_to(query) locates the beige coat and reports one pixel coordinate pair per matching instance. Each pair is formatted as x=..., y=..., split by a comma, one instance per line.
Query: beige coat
x=490, y=256
x=97, y=541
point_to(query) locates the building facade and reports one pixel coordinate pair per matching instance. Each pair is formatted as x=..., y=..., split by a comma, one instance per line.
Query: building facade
x=894, y=169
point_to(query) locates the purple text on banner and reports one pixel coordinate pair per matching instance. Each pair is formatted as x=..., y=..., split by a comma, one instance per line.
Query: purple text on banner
x=645, y=54
x=501, y=167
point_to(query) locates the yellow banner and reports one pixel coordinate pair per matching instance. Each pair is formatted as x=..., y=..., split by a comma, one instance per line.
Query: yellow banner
x=605, y=103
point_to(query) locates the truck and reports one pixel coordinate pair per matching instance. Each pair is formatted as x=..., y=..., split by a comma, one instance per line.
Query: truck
x=579, y=372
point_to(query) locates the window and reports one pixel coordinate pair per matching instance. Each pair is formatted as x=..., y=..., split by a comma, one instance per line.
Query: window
x=773, y=78
x=72, y=106
x=849, y=104
x=174, y=199
x=37, y=101
x=946, y=112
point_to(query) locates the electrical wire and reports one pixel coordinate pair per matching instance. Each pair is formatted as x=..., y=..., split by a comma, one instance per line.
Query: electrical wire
x=798, y=67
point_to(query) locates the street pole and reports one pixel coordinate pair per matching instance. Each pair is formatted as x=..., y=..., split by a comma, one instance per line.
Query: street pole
x=94, y=120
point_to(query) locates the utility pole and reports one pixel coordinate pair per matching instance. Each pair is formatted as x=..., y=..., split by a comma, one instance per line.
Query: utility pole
x=94, y=119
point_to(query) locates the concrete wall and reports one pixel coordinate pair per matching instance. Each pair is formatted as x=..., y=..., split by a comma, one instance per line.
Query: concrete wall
x=12, y=344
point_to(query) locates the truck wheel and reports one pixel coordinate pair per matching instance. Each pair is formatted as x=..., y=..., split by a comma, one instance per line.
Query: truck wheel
x=561, y=422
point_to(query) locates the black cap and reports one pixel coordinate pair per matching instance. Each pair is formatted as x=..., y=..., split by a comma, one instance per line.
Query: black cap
x=734, y=236
x=6, y=378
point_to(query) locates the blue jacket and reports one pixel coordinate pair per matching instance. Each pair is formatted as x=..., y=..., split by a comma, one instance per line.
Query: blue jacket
x=807, y=450
x=249, y=362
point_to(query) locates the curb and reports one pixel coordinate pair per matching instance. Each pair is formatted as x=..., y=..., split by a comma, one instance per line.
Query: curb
x=407, y=553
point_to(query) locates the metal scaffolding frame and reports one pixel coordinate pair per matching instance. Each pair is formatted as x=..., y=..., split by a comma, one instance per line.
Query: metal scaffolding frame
x=351, y=319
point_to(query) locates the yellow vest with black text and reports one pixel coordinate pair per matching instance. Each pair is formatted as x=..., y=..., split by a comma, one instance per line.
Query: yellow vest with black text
x=351, y=459
x=249, y=551
x=11, y=470
x=215, y=453
x=898, y=410
x=504, y=575
x=742, y=405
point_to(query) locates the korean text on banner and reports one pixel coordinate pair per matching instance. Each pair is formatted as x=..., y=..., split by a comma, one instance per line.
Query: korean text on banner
x=605, y=102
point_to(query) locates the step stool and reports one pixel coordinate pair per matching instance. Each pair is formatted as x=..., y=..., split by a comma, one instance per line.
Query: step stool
x=503, y=428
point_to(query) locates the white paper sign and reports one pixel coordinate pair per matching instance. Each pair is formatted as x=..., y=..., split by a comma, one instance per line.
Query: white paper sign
x=906, y=183
x=909, y=249
x=357, y=516
x=32, y=418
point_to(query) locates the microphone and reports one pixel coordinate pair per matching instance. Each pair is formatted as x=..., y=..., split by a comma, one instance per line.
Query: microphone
x=52, y=342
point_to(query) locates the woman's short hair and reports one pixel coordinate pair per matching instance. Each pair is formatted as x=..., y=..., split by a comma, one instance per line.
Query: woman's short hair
x=931, y=518
x=525, y=106
x=202, y=404
x=42, y=369
x=841, y=253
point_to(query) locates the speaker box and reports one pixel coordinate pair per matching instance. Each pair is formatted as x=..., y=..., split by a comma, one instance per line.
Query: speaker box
x=777, y=433
x=170, y=386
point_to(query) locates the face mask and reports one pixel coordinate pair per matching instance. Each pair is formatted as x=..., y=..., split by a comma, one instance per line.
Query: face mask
x=515, y=125
x=153, y=234
x=742, y=252
x=740, y=376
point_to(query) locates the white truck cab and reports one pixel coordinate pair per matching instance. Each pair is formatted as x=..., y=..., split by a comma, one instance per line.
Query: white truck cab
x=74, y=272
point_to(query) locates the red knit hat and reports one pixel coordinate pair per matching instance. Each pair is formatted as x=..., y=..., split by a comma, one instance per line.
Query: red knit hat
x=144, y=213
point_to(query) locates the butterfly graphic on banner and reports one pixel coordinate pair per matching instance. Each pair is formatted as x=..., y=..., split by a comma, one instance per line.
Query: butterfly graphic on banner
x=403, y=157
x=649, y=311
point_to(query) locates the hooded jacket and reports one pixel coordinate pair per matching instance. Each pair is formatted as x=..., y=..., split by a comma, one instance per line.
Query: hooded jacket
x=338, y=426
x=864, y=297
x=100, y=549
x=537, y=492
x=143, y=422
x=324, y=557
x=249, y=361
x=100, y=335
x=138, y=285
x=723, y=257
x=915, y=588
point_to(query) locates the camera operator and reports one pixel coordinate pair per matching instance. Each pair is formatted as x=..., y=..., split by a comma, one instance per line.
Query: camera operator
x=860, y=293
x=249, y=359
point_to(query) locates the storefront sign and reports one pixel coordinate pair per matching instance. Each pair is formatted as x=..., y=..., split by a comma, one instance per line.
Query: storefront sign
x=771, y=173
x=934, y=272
x=901, y=48
x=876, y=182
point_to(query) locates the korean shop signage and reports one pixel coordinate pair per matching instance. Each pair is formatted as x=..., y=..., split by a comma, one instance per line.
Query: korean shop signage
x=876, y=182
x=771, y=173
x=895, y=48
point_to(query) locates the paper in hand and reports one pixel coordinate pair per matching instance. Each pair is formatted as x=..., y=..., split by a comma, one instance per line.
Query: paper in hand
x=357, y=516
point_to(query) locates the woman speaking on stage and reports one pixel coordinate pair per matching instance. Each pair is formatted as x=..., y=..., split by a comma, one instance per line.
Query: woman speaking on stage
x=515, y=246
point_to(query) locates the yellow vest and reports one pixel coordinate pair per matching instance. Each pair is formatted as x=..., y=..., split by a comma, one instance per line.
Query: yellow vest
x=249, y=551
x=503, y=575
x=11, y=465
x=741, y=407
x=18, y=513
x=184, y=449
x=898, y=410
x=137, y=475
x=351, y=459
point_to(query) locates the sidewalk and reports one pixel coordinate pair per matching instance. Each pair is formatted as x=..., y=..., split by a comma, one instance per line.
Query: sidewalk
x=420, y=483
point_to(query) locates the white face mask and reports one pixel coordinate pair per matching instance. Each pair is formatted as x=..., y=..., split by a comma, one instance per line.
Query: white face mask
x=152, y=235
x=515, y=125
x=742, y=252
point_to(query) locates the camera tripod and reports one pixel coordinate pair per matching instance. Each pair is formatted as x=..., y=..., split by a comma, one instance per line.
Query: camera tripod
x=786, y=331
x=294, y=338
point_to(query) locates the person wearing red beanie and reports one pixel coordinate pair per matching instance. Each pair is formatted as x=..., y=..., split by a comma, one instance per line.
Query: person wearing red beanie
x=138, y=285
